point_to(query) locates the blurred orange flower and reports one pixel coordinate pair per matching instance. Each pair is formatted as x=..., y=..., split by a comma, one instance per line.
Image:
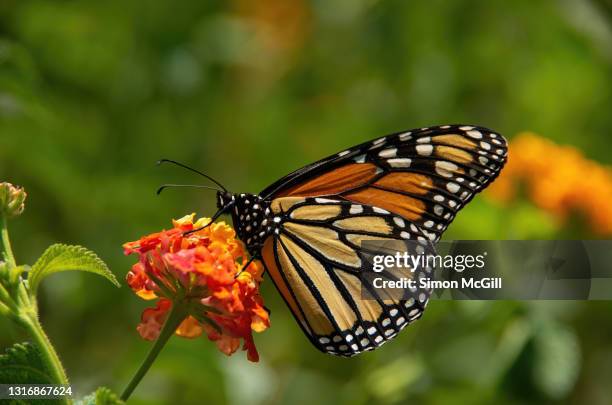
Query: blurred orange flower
x=280, y=25
x=558, y=179
x=203, y=272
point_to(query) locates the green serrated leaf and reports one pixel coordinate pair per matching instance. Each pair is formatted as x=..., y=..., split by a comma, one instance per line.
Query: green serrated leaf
x=102, y=396
x=60, y=257
x=21, y=364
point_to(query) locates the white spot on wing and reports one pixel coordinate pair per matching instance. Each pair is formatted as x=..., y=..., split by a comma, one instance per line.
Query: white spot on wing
x=446, y=169
x=356, y=209
x=403, y=162
x=474, y=134
x=359, y=159
x=388, y=153
x=452, y=187
x=424, y=150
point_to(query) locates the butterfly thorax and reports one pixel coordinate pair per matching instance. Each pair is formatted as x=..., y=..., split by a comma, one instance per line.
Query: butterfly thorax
x=252, y=219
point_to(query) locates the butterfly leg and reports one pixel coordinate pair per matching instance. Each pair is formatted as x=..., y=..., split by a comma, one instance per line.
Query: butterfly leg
x=253, y=258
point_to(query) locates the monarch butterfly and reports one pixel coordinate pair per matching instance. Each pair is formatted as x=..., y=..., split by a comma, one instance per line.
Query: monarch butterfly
x=307, y=227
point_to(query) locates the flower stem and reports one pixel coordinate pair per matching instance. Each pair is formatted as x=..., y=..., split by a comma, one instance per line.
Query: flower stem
x=16, y=303
x=4, y=310
x=47, y=352
x=5, y=244
x=176, y=316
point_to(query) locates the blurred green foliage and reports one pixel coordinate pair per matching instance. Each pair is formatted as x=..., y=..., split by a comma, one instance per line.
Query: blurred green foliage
x=93, y=93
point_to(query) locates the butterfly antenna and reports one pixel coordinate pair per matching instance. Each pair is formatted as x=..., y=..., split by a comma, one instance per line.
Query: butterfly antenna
x=165, y=186
x=174, y=162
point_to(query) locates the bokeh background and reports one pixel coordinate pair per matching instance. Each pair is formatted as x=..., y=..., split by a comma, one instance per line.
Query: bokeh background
x=93, y=93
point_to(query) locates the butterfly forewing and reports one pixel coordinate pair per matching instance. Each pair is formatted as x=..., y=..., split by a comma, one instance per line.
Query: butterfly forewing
x=423, y=175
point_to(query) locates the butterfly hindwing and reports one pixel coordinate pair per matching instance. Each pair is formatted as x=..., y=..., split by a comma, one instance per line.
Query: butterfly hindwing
x=316, y=259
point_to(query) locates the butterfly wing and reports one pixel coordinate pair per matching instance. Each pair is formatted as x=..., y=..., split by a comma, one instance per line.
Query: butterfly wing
x=407, y=185
x=424, y=175
x=316, y=260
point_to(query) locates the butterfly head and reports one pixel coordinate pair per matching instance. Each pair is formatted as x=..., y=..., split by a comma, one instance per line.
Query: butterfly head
x=224, y=200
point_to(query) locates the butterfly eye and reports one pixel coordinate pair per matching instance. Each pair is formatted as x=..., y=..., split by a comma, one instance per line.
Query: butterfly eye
x=223, y=199
x=220, y=200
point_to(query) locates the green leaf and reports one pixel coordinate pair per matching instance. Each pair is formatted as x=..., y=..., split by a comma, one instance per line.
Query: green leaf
x=102, y=396
x=60, y=257
x=21, y=364
x=557, y=360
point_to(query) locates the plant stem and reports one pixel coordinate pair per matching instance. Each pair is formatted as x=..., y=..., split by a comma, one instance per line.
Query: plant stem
x=177, y=314
x=5, y=296
x=5, y=244
x=4, y=310
x=47, y=352
x=22, y=310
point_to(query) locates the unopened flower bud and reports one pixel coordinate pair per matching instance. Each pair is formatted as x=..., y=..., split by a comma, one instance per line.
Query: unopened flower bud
x=12, y=200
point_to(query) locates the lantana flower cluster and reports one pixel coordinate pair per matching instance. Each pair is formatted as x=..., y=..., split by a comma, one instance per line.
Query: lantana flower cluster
x=202, y=271
x=558, y=179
